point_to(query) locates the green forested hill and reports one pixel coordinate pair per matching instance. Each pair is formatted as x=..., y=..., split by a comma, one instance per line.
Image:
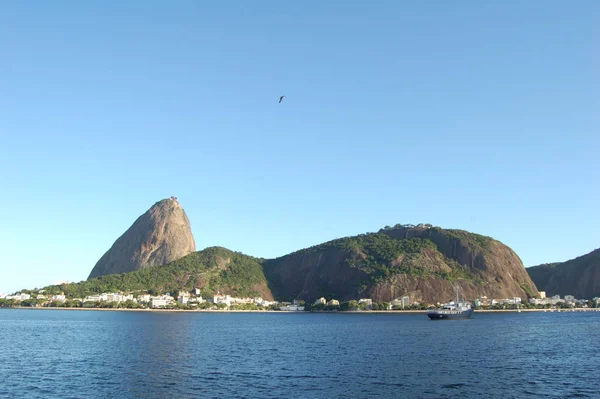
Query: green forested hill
x=422, y=262
x=213, y=269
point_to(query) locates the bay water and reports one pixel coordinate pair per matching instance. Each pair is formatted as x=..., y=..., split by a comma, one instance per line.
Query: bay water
x=117, y=354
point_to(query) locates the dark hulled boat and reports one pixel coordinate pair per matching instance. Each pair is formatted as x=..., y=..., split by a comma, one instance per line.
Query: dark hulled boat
x=452, y=310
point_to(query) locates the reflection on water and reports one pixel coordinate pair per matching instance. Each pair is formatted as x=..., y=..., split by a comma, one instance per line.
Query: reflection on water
x=73, y=354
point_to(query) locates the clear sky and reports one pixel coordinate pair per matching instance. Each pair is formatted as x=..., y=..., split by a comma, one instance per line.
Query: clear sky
x=470, y=115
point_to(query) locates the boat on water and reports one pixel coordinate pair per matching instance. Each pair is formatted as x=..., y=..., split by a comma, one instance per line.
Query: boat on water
x=459, y=309
x=292, y=308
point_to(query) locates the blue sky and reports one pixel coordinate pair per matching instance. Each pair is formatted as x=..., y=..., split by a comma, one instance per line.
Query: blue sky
x=483, y=117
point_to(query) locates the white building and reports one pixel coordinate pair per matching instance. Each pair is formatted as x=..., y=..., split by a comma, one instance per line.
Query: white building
x=333, y=302
x=118, y=297
x=158, y=303
x=403, y=302
x=226, y=299
x=183, y=299
x=236, y=300
x=263, y=302
x=320, y=301
x=59, y=298
x=292, y=308
x=161, y=301
x=542, y=294
x=113, y=297
x=259, y=301
x=109, y=297
x=144, y=298
x=22, y=297
x=511, y=301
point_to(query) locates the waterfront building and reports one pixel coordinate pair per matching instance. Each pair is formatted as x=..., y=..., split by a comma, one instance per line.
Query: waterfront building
x=320, y=301
x=226, y=299
x=144, y=298
x=59, y=298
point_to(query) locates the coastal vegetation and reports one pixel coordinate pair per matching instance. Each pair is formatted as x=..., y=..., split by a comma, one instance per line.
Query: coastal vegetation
x=385, y=257
x=212, y=270
x=347, y=306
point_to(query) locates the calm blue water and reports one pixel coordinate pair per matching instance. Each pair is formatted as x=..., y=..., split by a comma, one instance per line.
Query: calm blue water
x=95, y=354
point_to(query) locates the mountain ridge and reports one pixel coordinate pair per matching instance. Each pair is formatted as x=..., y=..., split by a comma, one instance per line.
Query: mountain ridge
x=579, y=276
x=422, y=262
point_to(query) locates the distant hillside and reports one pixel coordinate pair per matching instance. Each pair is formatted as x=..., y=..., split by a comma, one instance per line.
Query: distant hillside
x=213, y=269
x=422, y=262
x=579, y=277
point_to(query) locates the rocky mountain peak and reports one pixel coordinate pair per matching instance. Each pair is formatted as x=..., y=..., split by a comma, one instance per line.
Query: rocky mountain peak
x=159, y=236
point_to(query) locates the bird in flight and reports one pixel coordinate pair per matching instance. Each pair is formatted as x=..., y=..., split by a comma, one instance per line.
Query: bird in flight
x=281, y=99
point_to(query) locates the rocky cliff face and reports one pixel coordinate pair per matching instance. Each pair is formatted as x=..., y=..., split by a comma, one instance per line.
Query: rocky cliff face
x=159, y=236
x=579, y=277
x=423, y=263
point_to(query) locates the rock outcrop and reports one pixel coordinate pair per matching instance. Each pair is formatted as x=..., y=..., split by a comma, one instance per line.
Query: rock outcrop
x=159, y=236
x=579, y=277
x=422, y=262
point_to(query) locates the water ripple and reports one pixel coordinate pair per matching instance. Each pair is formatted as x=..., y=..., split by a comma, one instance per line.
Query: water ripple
x=62, y=354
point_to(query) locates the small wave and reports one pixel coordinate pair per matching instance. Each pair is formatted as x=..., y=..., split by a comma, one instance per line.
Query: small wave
x=390, y=384
x=453, y=386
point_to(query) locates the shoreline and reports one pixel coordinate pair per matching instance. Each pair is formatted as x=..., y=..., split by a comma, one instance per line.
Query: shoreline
x=300, y=312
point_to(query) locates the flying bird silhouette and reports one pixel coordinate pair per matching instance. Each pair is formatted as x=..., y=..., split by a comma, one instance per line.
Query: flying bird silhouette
x=281, y=99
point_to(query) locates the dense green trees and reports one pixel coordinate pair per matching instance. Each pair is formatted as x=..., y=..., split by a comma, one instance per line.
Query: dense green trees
x=349, y=306
x=212, y=269
x=381, y=257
